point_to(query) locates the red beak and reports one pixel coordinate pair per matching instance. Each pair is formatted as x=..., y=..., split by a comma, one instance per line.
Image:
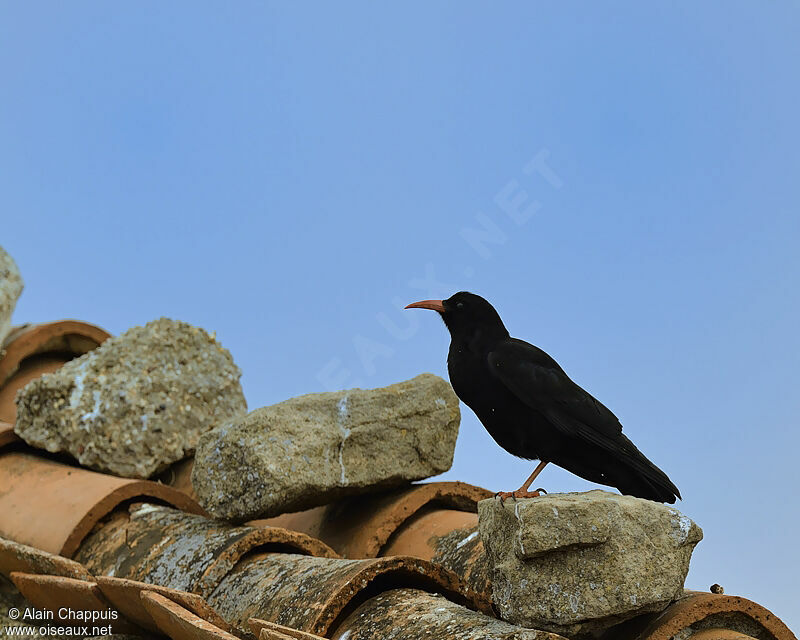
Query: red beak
x=434, y=305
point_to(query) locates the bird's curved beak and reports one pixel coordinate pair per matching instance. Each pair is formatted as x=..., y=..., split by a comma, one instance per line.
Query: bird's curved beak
x=434, y=305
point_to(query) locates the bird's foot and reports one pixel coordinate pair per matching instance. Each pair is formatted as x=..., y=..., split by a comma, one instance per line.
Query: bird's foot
x=518, y=494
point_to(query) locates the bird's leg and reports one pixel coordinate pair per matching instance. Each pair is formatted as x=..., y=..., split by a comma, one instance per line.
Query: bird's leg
x=523, y=492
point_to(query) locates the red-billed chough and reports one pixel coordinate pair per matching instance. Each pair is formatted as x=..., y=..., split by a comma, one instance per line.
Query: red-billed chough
x=533, y=410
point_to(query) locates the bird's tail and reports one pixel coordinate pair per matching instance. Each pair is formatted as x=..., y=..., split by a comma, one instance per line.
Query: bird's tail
x=637, y=476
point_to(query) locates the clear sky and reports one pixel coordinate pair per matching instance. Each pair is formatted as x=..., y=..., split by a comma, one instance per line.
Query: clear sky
x=620, y=179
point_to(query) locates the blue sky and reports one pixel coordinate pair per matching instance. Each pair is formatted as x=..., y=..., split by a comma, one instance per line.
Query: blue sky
x=291, y=175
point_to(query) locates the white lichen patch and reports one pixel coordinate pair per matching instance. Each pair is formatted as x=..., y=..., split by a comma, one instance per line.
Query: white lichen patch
x=135, y=404
x=468, y=539
x=345, y=431
x=587, y=560
x=322, y=447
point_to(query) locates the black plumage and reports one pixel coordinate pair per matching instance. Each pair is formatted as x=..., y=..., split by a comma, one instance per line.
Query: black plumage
x=533, y=410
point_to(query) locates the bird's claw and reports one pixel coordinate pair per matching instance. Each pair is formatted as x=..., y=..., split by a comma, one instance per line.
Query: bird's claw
x=519, y=493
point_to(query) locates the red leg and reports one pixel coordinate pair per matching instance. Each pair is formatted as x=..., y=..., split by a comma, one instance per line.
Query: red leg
x=523, y=492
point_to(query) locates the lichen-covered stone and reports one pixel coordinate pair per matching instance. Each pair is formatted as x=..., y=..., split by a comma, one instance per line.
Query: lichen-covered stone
x=412, y=614
x=10, y=289
x=137, y=403
x=320, y=447
x=578, y=563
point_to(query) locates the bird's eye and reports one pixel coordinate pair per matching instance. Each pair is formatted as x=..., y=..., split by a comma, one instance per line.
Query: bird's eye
x=459, y=305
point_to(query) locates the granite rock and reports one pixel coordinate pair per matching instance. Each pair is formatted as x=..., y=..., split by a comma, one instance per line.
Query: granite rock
x=10, y=289
x=578, y=563
x=137, y=403
x=320, y=447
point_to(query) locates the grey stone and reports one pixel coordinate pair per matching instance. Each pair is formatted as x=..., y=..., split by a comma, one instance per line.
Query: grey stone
x=320, y=447
x=137, y=403
x=578, y=563
x=10, y=289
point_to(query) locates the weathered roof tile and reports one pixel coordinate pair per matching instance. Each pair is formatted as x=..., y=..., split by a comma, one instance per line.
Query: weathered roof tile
x=31, y=350
x=56, y=593
x=161, y=545
x=15, y=556
x=126, y=596
x=179, y=623
x=312, y=594
x=360, y=527
x=53, y=506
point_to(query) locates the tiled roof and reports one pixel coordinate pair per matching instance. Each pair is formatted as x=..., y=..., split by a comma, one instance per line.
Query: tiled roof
x=403, y=563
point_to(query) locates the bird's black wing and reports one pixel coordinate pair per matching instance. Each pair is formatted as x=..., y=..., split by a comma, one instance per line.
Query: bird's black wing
x=536, y=379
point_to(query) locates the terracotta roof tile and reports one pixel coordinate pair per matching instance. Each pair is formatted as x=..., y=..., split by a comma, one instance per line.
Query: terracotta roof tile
x=7, y=435
x=53, y=506
x=698, y=611
x=165, y=546
x=26, y=559
x=179, y=623
x=172, y=570
x=423, y=615
x=179, y=476
x=126, y=596
x=360, y=527
x=33, y=349
x=312, y=594
x=435, y=521
x=56, y=592
x=266, y=630
x=449, y=538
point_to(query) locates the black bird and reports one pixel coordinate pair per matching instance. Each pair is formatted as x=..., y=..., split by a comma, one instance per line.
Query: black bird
x=533, y=410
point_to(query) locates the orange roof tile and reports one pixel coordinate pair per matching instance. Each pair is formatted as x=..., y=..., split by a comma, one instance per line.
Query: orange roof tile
x=280, y=579
x=33, y=349
x=53, y=506
x=179, y=623
x=56, y=592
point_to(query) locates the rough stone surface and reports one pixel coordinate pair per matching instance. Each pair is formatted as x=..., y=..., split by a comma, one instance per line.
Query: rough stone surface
x=10, y=289
x=578, y=563
x=320, y=447
x=137, y=403
x=414, y=614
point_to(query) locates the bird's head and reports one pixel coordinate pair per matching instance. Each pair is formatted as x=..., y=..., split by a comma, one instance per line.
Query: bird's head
x=466, y=315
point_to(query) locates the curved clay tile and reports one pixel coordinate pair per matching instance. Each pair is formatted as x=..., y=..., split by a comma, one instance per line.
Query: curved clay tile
x=720, y=634
x=419, y=615
x=314, y=594
x=56, y=592
x=164, y=546
x=266, y=630
x=705, y=611
x=179, y=623
x=25, y=559
x=53, y=506
x=126, y=596
x=360, y=527
x=179, y=476
x=449, y=538
x=7, y=435
x=34, y=349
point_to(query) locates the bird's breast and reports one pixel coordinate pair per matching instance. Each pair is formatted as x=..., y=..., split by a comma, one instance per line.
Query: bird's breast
x=510, y=422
